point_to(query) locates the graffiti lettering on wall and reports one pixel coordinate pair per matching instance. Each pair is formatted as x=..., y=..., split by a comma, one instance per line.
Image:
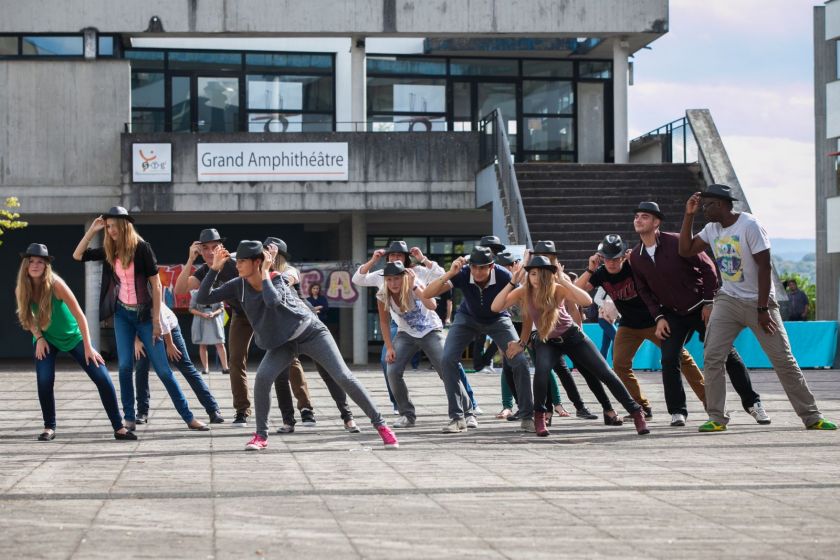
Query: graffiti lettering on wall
x=333, y=276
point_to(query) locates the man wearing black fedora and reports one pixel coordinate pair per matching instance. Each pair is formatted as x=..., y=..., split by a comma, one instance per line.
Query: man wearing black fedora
x=240, y=334
x=678, y=292
x=746, y=300
x=480, y=281
x=609, y=268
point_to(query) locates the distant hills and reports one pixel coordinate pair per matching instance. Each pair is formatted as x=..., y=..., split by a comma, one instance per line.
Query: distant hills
x=792, y=249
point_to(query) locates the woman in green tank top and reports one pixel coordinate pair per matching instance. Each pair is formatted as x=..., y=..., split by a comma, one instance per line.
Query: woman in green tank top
x=47, y=308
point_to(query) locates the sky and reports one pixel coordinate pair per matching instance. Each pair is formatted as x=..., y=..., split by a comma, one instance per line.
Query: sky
x=751, y=63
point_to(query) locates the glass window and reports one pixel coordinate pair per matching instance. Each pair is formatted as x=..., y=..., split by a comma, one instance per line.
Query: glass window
x=294, y=63
x=106, y=46
x=462, y=100
x=145, y=59
x=484, y=67
x=181, y=109
x=290, y=93
x=500, y=96
x=147, y=89
x=397, y=65
x=548, y=68
x=595, y=69
x=407, y=123
x=408, y=95
x=547, y=97
x=218, y=104
x=289, y=122
x=8, y=46
x=147, y=121
x=548, y=134
x=205, y=60
x=53, y=46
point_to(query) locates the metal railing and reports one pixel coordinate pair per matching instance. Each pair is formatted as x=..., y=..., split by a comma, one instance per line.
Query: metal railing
x=399, y=124
x=494, y=149
x=677, y=141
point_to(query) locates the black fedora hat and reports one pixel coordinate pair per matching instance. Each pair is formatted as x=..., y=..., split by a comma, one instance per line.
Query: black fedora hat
x=210, y=235
x=723, y=192
x=248, y=249
x=543, y=247
x=611, y=247
x=282, y=248
x=481, y=256
x=650, y=208
x=118, y=212
x=398, y=247
x=37, y=250
x=394, y=269
x=505, y=258
x=540, y=261
x=493, y=243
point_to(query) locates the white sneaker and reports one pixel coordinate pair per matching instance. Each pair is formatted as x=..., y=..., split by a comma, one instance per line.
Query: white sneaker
x=527, y=425
x=477, y=411
x=403, y=422
x=455, y=426
x=487, y=369
x=757, y=411
x=677, y=419
x=471, y=422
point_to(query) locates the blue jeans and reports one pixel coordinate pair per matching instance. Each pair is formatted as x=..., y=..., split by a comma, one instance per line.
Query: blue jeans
x=415, y=362
x=609, y=336
x=45, y=373
x=127, y=325
x=185, y=365
x=462, y=332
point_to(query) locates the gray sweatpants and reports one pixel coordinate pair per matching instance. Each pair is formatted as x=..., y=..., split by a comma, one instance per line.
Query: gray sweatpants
x=405, y=346
x=729, y=317
x=317, y=343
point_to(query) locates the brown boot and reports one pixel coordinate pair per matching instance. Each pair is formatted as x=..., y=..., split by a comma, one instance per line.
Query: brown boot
x=639, y=421
x=539, y=424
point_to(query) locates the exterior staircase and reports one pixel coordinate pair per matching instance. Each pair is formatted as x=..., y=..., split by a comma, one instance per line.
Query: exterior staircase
x=576, y=205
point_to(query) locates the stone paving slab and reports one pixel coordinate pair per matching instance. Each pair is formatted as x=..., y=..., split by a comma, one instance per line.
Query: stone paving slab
x=588, y=491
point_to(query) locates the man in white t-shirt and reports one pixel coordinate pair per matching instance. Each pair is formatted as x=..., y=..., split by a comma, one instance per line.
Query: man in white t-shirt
x=746, y=299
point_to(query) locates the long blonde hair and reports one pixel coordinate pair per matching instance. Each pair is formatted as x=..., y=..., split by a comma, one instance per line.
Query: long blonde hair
x=403, y=301
x=27, y=294
x=124, y=246
x=542, y=298
x=280, y=264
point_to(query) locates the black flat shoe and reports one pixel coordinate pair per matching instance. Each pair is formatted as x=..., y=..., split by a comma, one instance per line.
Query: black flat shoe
x=613, y=420
x=47, y=435
x=127, y=436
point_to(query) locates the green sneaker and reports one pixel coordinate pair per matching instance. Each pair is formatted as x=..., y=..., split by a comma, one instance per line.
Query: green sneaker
x=823, y=424
x=712, y=426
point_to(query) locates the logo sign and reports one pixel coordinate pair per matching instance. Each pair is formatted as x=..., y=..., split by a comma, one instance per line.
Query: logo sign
x=152, y=163
x=304, y=161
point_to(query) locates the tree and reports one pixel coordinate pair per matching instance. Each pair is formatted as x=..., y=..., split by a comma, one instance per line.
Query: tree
x=805, y=285
x=9, y=218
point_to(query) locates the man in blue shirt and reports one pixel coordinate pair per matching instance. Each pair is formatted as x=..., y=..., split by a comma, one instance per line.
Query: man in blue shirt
x=479, y=283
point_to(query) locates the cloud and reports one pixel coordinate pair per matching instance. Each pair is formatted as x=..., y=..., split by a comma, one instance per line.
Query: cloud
x=777, y=175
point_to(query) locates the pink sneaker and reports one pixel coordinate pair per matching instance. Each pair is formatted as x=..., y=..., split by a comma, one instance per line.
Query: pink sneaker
x=257, y=443
x=388, y=437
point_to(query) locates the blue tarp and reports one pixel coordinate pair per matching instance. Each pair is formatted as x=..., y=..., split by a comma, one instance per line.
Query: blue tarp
x=814, y=345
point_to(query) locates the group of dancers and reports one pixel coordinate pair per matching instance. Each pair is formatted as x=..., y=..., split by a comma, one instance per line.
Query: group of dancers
x=665, y=289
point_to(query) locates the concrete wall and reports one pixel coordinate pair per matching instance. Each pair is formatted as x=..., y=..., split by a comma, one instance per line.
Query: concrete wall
x=387, y=171
x=341, y=17
x=825, y=72
x=648, y=150
x=61, y=124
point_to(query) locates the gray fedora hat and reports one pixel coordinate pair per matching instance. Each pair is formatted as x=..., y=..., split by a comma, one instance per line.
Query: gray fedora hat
x=248, y=249
x=481, y=256
x=611, y=247
x=649, y=207
x=210, y=235
x=493, y=243
x=542, y=262
x=544, y=247
x=394, y=269
x=505, y=258
x=37, y=250
x=118, y=212
x=282, y=248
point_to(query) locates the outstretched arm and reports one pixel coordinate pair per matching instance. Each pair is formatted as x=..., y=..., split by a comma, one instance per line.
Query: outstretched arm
x=691, y=244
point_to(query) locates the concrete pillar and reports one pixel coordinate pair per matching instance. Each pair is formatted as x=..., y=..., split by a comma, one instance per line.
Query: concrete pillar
x=93, y=280
x=620, y=129
x=360, y=342
x=358, y=83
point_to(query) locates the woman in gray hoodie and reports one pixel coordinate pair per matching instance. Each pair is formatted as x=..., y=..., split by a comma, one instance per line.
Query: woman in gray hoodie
x=284, y=327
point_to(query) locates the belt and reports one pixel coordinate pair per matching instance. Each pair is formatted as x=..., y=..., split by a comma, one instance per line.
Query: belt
x=134, y=308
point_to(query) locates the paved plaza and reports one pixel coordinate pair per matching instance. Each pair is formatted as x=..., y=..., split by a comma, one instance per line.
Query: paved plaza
x=588, y=491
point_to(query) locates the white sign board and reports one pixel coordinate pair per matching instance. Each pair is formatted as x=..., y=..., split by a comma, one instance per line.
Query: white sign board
x=832, y=224
x=269, y=162
x=151, y=163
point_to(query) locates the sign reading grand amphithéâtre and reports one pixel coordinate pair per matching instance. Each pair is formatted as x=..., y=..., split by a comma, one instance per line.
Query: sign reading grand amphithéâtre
x=287, y=161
